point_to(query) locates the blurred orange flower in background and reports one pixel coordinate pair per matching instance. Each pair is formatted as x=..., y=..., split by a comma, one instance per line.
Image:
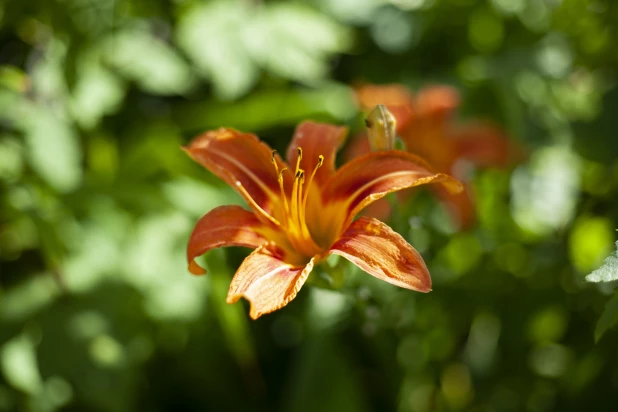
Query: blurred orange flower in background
x=299, y=218
x=425, y=124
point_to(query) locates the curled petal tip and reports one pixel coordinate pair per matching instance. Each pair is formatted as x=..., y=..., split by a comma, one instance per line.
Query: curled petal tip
x=451, y=184
x=196, y=269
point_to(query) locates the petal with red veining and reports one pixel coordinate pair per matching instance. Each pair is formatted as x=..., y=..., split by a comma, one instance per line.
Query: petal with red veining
x=366, y=179
x=240, y=159
x=267, y=282
x=483, y=144
x=380, y=251
x=224, y=226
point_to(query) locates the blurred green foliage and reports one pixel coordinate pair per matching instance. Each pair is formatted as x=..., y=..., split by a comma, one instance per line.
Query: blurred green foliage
x=97, y=311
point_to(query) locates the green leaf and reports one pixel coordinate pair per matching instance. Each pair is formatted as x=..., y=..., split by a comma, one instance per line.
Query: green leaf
x=271, y=108
x=294, y=41
x=609, y=317
x=11, y=158
x=13, y=78
x=147, y=60
x=545, y=192
x=98, y=92
x=230, y=41
x=608, y=272
x=590, y=242
x=212, y=35
x=19, y=365
x=53, y=148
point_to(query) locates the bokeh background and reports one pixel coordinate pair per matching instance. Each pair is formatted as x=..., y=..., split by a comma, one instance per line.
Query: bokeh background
x=97, y=201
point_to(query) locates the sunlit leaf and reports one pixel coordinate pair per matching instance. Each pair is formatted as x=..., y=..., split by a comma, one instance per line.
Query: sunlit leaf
x=19, y=365
x=294, y=41
x=230, y=41
x=353, y=11
x=213, y=37
x=13, y=78
x=53, y=148
x=197, y=198
x=156, y=265
x=394, y=31
x=545, y=191
x=149, y=61
x=608, y=272
x=28, y=298
x=590, y=242
x=11, y=158
x=98, y=92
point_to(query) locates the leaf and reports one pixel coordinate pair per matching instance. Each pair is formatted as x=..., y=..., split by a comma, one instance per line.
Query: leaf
x=13, y=78
x=52, y=146
x=609, y=317
x=294, y=41
x=590, y=241
x=212, y=36
x=608, y=272
x=19, y=365
x=545, y=192
x=230, y=41
x=147, y=60
x=98, y=92
x=268, y=108
x=53, y=149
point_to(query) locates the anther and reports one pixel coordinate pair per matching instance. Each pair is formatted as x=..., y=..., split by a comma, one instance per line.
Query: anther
x=300, y=157
x=320, y=160
x=272, y=157
x=281, y=173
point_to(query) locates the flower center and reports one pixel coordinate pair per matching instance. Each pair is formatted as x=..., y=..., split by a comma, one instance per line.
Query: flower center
x=293, y=220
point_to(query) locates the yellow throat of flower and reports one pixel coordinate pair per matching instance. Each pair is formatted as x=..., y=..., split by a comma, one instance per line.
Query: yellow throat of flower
x=293, y=207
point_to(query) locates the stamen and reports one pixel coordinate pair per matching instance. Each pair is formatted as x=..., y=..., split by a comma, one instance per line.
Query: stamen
x=283, y=197
x=299, y=200
x=249, y=199
x=294, y=209
x=315, y=170
x=300, y=157
x=274, y=161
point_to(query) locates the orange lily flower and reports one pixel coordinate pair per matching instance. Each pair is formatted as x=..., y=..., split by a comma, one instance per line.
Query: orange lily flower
x=299, y=218
x=425, y=124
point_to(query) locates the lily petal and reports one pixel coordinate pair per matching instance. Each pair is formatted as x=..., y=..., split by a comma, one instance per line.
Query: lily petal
x=378, y=250
x=368, y=178
x=316, y=139
x=267, y=282
x=437, y=101
x=224, y=226
x=483, y=144
x=243, y=162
